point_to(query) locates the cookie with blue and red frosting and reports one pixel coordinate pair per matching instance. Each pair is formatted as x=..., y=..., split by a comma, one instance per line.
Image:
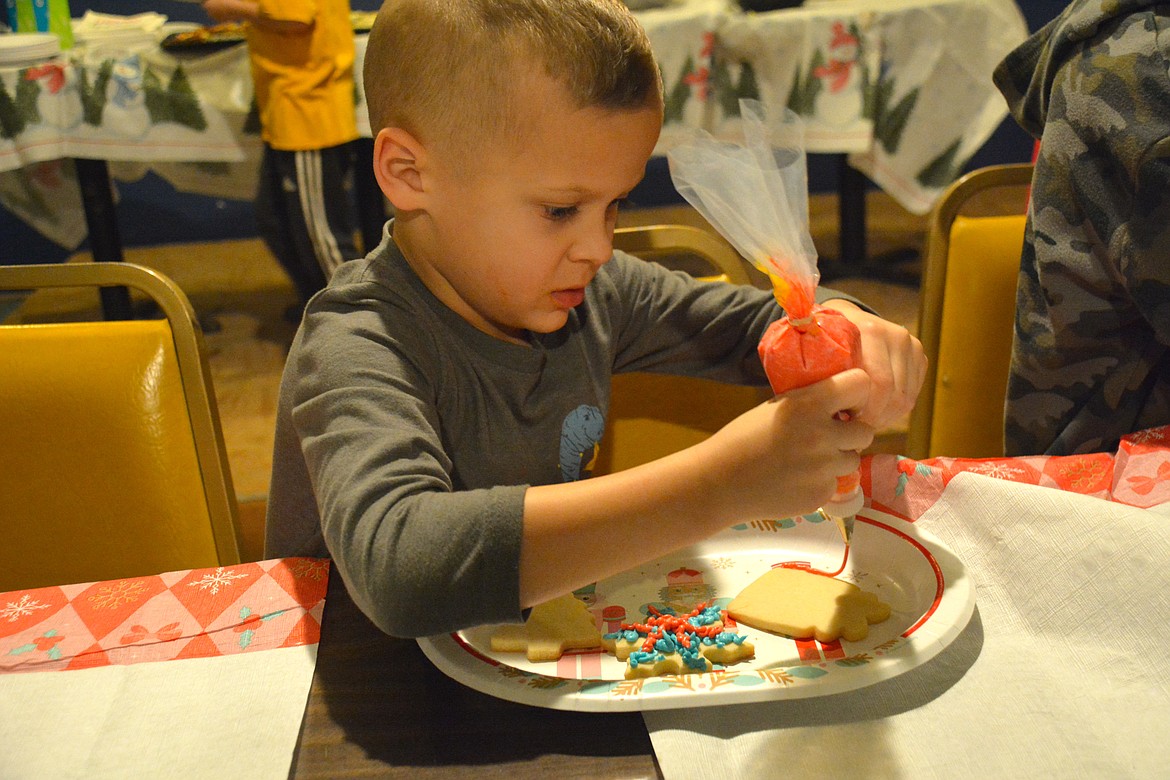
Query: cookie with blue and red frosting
x=668, y=643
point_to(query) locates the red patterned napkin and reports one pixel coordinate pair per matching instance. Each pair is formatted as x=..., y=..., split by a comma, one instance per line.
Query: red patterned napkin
x=188, y=614
x=1138, y=474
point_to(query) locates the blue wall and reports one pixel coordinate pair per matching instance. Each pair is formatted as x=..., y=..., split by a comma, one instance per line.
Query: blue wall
x=152, y=212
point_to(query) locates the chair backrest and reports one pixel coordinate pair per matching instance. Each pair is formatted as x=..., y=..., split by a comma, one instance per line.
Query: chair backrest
x=967, y=314
x=112, y=461
x=653, y=415
x=686, y=248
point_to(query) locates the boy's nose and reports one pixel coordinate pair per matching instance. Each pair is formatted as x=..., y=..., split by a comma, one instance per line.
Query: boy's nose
x=595, y=245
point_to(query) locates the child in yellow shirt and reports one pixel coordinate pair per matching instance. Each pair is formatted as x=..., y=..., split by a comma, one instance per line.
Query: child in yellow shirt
x=302, y=54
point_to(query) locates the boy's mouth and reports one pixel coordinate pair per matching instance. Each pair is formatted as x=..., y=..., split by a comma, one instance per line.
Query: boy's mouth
x=569, y=299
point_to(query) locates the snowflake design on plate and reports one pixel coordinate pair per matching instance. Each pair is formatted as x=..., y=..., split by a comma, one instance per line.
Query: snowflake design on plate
x=221, y=577
x=18, y=609
x=723, y=563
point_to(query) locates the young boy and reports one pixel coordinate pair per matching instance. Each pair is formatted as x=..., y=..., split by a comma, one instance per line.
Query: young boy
x=431, y=386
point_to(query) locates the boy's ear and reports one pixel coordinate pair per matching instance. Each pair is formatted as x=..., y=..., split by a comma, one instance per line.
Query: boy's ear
x=398, y=166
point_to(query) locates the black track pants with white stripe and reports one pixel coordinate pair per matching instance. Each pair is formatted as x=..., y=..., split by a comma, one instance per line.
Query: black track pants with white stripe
x=305, y=212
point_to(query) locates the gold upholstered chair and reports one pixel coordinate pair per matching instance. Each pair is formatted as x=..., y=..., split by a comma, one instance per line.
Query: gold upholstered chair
x=967, y=313
x=652, y=415
x=112, y=462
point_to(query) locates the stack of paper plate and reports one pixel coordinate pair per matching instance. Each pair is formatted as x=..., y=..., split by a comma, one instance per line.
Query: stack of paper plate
x=127, y=39
x=18, y=50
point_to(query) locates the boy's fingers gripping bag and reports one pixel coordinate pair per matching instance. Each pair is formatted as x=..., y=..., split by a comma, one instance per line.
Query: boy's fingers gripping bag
x=756, y=195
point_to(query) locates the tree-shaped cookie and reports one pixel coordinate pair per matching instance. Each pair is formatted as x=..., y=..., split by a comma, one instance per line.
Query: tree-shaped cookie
x=552, y=628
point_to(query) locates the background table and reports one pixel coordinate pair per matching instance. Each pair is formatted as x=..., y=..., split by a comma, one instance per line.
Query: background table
x=900, y=86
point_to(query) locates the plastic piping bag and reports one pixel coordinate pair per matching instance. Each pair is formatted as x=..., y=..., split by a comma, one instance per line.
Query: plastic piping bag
x=756, y=195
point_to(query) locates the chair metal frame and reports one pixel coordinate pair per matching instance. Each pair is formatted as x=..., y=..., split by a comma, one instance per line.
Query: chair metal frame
x=651, y=241
x=195, y=372
x=951, y=205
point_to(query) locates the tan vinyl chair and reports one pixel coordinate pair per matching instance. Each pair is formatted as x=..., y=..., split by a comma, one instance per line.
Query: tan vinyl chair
x=686, y=248
x=112, y=461
x=652, y=415
x=967, y=314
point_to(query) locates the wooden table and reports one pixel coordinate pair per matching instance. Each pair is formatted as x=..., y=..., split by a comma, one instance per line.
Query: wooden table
x=379, y=708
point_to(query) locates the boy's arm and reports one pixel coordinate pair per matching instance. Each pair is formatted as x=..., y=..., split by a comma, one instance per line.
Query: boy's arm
x=251, y=12
x=770, y=462
x=779, y=459
x=705, y=329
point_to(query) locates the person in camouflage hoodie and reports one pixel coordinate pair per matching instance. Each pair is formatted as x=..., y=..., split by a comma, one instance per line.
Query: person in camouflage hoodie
x=1091, y=354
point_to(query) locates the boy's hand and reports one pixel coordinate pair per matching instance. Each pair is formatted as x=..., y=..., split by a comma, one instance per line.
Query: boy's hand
x=894, y=360
x=249, y=11
x=783, y=457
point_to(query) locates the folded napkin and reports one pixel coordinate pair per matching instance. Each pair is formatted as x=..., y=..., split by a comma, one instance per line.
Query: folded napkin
x=192, y=674
x=1060, y=673
x=224, y=716
x=96, y=23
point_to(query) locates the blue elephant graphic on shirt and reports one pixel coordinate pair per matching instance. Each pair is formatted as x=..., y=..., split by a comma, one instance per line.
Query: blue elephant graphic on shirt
x=580, y=432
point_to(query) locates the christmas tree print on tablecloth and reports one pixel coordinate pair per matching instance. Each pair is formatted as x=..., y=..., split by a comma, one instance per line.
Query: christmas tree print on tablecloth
x=93, y=96
x=889, y=121
x=802, y=98
x=944, y=169
x=177, y=103
x=33, y=84
x=27, y=92
x=679, y=94
x=729, y=94
x=17, y=114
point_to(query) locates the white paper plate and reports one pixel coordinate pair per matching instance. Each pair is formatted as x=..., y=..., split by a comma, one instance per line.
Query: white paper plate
x=27, y=48
x=925, y=584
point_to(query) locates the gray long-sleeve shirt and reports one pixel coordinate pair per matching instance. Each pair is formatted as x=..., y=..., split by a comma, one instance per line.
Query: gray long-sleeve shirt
x=406, y=438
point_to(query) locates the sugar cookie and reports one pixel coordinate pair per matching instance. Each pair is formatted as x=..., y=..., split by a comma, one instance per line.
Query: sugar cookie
x=803, y=604
x=552, y=628
x=672, y=644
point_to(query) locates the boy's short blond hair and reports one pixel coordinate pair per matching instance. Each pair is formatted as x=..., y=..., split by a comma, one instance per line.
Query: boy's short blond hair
x=449, y=71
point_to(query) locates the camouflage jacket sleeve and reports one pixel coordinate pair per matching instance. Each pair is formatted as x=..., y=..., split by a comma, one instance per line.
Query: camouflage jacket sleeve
x=1090, y=360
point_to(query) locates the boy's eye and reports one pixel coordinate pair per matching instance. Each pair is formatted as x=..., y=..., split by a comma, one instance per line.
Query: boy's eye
x=560, y=213
x=564, y=213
